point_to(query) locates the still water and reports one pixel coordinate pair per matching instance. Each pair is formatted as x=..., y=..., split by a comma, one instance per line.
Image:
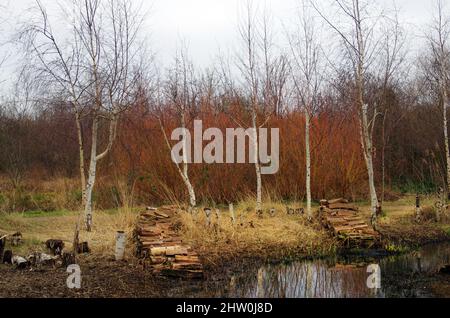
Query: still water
x=410, y=275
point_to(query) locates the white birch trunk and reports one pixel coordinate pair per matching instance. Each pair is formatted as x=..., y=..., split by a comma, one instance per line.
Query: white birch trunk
x=308, y=164
x=91, y=177
x=447, y=148
x=366, y=142
x=185, y=175
x=83, y=181
x=257, y=164
x=183, y=172
x=191, y=192
x=81, y=157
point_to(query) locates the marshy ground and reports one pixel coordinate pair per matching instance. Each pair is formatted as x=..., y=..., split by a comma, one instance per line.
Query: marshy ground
x=274, y=238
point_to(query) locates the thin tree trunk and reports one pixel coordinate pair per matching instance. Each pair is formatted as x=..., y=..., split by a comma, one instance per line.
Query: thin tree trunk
x=93, y=163
x=308, y=164
x=83, y=182
x=81, y=157
x=447, y=148
x=365, y=127
x=257, y=164
x=183, y=172
x=187, y=182
x=91, y=177
x=366, y=141
x=383, y=161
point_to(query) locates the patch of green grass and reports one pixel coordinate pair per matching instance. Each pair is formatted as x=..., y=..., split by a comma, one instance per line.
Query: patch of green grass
x=395, y=248
x=37, y=214
x=27, y=246
x=447, y=229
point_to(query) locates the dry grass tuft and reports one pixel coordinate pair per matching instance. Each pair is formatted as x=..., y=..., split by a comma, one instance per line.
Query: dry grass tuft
x=267, y=237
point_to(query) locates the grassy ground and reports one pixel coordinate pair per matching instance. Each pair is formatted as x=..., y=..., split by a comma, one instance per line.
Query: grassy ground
x=280, y=236
x=37, y=227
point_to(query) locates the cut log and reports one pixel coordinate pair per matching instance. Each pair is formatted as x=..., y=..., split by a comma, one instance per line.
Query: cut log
x=187, y=266
x=343, y=206
x=190, y=274
x=68, y=259
x=7, y=257
x=161, y=214
x=2, y=246
x=83, y=248
x=169, y=250
x=340, y=200
x=158, y=259
x=188, y=258
x=55, y=246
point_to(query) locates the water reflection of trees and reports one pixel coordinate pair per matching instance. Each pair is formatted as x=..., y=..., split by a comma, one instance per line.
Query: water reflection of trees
x=303, y=280
x=327, y=278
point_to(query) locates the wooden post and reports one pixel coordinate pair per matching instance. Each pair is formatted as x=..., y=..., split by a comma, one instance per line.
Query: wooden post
x=259, y=213
x=418, y=211
x=208, y=216
x=120, y=245
x=441, y=205
x=2, y=247
x=7, y=257
x=233, y=217
x=217, y=216
x=272, y=212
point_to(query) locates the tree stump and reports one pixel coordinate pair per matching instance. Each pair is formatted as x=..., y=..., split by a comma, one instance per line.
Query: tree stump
x=272, y=212
x=16, y=239
x=55, y=246
x=418, y=210
x=259, y=213
x=289, y=211
x=208, y=216
x=2, y=247
x=217, y=216
x=7, y=257
x=232, y=216
x=83, y=248
x=68, y=259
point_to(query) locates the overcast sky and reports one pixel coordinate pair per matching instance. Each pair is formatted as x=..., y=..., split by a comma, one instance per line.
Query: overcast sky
x=205, y=25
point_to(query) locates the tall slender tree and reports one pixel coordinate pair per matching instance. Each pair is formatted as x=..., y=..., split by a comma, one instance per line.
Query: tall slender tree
x=438, y=71
x=97, y=71
x=307, y=77
x=358, y=29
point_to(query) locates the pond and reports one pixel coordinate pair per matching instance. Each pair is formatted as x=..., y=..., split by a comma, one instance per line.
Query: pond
x=415, y=274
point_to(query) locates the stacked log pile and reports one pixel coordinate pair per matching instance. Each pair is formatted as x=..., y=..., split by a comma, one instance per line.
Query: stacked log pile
x=159, y=244
x=345, y=222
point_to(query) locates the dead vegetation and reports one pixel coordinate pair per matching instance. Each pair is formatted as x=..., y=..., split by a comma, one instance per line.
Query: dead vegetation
x=278, y=236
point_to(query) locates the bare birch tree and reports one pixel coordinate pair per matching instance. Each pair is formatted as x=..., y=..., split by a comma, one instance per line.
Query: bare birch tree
x=264, y=78
x=306, y=76
x=358, y=29
x=181, y=92
x=438, y=71
x=392, y=58
x=96, y=70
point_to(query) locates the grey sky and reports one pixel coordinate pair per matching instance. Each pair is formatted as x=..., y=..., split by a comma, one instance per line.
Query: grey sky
x=205, y=25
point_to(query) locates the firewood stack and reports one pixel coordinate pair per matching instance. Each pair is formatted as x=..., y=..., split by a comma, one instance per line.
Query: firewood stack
x=346, y=223
x=159, y=244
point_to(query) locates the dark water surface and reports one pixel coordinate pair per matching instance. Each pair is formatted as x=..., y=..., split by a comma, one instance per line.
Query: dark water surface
x=414, y=274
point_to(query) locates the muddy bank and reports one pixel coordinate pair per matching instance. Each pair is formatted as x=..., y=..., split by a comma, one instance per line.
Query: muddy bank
x=342, y=275
x=413, y=235
x=100, y=278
